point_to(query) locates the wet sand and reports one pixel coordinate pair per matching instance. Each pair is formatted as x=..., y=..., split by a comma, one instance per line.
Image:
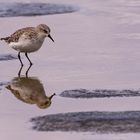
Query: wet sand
x=96, y=47
x=95, y=122
x=34, y=9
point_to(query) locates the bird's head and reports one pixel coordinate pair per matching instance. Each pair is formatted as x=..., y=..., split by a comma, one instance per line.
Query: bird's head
x=43, y=28
x=45, y=102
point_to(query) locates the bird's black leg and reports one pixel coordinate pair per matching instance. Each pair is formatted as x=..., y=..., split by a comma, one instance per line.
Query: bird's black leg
x=28, y=71
x=28, y=59
x=19, y=73
x=20, y=59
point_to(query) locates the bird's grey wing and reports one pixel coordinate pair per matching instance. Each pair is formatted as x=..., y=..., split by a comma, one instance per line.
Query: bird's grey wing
x=31, y=35
x=16, y=35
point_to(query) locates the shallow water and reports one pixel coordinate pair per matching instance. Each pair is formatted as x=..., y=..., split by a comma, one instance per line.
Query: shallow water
x=96, y=47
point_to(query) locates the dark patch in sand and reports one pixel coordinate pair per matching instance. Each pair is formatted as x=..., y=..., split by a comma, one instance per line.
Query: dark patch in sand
x=5, y=57
x=99, y=93
x=3, y=83
x=100, y=122
x=34, y=9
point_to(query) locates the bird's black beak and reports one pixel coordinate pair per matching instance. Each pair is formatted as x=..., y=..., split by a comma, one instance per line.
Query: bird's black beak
x=50, y=37
x=52, y=96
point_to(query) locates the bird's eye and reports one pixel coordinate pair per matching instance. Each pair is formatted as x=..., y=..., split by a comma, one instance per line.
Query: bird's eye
x=45, y=31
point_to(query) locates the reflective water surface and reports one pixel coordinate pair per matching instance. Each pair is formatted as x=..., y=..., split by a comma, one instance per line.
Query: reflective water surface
x=96, y=47
x=29, y=90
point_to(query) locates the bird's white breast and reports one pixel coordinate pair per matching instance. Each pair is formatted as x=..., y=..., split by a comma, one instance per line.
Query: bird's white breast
x=28, y=45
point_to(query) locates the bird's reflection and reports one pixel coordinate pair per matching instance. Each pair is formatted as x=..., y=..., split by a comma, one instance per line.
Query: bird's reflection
x=29, y=90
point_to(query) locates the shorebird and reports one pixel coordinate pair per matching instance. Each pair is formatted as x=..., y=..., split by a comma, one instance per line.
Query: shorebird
x=28, y=40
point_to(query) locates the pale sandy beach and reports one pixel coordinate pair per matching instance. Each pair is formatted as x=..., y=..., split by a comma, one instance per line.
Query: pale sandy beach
x=96, y=47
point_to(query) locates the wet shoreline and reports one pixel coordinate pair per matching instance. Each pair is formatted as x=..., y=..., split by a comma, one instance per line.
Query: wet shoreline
x=93, y=50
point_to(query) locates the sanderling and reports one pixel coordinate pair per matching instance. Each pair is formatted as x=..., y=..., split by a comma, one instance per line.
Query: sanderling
x=27, y=40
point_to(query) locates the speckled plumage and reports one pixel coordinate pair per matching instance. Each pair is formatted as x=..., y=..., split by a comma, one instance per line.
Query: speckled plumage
x=16, y=35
